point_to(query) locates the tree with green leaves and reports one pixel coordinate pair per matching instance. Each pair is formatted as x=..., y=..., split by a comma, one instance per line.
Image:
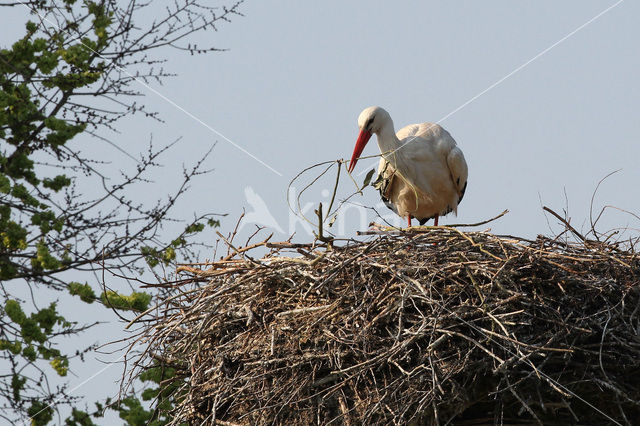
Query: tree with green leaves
x=79, y=68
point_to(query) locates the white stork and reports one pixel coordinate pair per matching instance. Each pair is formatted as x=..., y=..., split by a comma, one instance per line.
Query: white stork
x=422, y=173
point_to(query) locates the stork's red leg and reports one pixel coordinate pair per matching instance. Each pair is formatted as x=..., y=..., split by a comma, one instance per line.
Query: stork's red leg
x=409, y=221
x=435, y=222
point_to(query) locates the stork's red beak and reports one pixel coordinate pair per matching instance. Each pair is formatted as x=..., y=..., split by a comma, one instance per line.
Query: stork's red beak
x=363, y=138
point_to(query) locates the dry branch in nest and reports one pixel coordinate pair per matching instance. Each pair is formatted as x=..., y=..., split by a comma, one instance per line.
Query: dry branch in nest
x=434, y=327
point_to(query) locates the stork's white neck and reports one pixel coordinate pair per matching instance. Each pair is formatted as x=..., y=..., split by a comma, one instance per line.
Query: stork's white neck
x=388, y=142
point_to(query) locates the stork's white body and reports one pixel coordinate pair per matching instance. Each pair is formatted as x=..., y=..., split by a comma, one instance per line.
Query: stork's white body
x=423, y=172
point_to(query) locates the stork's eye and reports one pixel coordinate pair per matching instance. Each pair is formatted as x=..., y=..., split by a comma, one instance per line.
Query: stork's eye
x=369, y=123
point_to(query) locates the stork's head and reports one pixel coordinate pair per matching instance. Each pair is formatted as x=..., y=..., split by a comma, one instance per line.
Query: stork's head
x=370, y=121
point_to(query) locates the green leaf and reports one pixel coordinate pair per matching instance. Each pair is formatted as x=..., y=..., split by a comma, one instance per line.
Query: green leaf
x=151, y=255
x=14, y=311
x=47, y=318
x=61, y=365
x=79, y=418
x=169, y=255
x=45, y=220
x=367, y=178
x=5, y=184
x=193, y=228
x=30, y=353
x=30, y=331
x=56, y=183
x=83, y=290
x=40, y=413
x=13, y=238
x=44, y=260
x=133, y=412
x=31, y=27
x=17, y=384
x=13, y=347
x=134, y=302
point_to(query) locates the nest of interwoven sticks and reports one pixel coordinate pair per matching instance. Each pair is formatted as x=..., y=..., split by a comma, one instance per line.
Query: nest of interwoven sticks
x=435, y=326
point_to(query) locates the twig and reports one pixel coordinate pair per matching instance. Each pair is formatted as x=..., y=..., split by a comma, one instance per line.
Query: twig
x=484, y=222
x=320, y=236
x=566, y=223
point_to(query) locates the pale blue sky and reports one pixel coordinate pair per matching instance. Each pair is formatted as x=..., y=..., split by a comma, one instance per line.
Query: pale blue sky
x=297, y=74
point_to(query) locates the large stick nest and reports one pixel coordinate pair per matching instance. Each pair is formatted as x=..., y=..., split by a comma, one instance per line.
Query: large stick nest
x=434, y=327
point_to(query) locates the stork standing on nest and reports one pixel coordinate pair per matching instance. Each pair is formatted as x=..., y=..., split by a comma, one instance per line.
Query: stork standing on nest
x=422, y=173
